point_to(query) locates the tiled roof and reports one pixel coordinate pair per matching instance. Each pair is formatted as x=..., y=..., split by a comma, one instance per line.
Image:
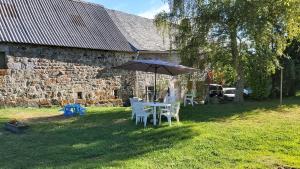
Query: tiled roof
x=140, y=32
x=66, y=23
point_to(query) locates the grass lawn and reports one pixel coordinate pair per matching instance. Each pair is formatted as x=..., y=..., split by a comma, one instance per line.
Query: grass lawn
x=252, y=135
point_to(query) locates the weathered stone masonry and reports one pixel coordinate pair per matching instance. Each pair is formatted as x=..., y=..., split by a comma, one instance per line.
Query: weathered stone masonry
x=39, y=75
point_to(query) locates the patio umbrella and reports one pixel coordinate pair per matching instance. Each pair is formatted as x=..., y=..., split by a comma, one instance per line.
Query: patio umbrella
x=156, y=66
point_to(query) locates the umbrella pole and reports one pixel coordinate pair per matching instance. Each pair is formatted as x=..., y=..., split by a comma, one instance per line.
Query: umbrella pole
x=155, y=72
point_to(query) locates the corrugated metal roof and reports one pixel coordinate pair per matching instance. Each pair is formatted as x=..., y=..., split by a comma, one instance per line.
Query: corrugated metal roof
x=67, y=23
x=140, y=32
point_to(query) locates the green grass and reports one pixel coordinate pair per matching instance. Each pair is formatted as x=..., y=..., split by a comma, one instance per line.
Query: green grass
x=252, y=135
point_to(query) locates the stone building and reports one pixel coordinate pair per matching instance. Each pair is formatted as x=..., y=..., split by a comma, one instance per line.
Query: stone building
x=58, y=51
x=149, y=44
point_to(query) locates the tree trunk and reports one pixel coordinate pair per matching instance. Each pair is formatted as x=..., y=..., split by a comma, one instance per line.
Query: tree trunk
x=239, y=98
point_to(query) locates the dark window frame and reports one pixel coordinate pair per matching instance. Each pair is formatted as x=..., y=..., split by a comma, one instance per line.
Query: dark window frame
x=116, y=93
x=4, y=59
x=80, y=95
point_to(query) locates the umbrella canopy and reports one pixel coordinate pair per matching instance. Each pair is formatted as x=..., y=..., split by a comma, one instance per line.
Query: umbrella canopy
x=156, y=66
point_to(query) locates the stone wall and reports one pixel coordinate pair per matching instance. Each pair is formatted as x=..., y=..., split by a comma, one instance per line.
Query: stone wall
x=44, y=76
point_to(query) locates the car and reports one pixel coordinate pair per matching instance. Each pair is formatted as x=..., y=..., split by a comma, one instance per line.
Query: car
x=229, y=93
x=247, y=92
x=215, y=90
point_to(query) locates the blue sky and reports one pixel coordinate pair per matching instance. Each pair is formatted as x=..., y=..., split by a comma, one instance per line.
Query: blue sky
x=145, y=8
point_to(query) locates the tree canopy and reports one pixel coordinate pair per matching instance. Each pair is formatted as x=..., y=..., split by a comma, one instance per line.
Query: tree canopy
x=238, y=33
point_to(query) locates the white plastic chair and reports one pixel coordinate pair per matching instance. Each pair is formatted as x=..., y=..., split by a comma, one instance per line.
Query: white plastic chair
x=169, y=99
x=141, y=115
x=132, y=100
x=170, y=112
x=166, y=99
x=188, y=98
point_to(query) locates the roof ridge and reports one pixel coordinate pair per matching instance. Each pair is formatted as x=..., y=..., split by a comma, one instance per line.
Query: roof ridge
x=139, y=31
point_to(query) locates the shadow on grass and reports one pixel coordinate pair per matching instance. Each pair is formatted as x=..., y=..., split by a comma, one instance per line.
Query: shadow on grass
x=221, y=112
x=46, y=119
x=97, y=139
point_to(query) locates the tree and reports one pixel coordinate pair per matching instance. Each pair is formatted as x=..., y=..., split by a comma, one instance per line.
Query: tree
x=237, y=27
x=293, y=62
x=291, y=71
x=260, y=66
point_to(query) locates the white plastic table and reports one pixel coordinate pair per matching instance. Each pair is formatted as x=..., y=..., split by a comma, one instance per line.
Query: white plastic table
x=155, y=105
